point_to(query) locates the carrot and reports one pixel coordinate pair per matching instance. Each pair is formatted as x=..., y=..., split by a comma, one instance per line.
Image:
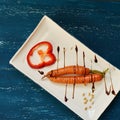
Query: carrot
x=77, y=79
x=80, y=70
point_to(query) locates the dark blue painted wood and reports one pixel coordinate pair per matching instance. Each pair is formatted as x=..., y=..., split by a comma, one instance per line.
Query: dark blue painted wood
x=95, y=23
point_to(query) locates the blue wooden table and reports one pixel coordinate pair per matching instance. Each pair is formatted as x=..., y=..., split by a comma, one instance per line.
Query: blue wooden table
x=95, y=23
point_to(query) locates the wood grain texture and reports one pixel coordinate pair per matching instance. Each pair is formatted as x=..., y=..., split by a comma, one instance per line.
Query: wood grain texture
x=95, y=23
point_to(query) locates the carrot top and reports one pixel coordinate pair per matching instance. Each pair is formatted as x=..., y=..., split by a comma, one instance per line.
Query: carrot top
x=99, y=72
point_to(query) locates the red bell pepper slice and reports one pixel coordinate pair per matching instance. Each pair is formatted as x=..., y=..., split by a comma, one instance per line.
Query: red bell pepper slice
x=42, y=54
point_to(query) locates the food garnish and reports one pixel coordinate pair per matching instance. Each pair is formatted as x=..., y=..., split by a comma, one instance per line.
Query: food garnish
x=41, y=55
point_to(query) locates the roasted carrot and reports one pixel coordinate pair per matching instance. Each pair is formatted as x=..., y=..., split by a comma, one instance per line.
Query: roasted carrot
x=77, y=79
x=80, y=70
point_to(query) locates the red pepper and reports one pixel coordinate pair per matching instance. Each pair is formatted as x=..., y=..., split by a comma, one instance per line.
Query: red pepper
x=43, y=50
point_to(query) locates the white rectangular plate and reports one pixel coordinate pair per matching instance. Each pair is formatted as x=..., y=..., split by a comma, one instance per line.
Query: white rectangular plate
x=87, y=107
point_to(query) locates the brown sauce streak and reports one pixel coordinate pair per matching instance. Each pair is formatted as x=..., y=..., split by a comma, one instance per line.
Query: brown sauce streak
x=106, y=90
x=58, y=51
x=112, y=87
x=84, y=66
x=93, y=84
x=64, y=55
x=76, y=50
x=83, y=58
x=95, y=59
x=74, y=69
x=41, y=72
x=65, y=97
x=92, y=80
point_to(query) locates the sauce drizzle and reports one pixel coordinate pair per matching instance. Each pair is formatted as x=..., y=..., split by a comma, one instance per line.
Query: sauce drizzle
x=83, y=58
x=76, y=50
x=65, y=97
x=41, y=72
x=95, y=59
x=93, y=87
x=106, y=90
x=58, y=50
x=113, y=91
x=64, y=55
x=84, y=66
x=93, y=83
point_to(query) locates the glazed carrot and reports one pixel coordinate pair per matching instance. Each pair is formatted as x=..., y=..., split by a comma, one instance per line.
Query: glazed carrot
x=77, y=79
x=69, y=70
